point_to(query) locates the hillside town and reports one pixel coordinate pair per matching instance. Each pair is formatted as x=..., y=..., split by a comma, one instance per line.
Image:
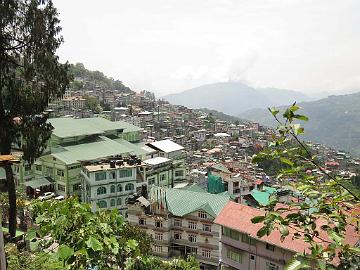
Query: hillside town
x=181, y=175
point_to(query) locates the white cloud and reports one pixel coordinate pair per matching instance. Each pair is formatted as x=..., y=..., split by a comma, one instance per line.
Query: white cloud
x=170, y=45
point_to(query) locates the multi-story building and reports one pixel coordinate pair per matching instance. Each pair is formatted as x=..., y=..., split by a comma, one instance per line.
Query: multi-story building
x=73, y=103
x=108, y=185
x=172, y=151
x=74, y=141
x=181, y=223
x=241, y=249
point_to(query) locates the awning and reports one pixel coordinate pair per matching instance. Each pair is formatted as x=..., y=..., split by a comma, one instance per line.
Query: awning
x=39, y=182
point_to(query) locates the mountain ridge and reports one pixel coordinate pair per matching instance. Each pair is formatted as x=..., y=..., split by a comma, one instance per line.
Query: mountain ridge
x=334, y=121
x=233, y=97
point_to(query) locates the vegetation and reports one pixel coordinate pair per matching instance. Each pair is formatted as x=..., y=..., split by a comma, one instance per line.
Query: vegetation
x=325, y=215
x=335, y=121
x=30, y=75
x=92, y=103
x=71, y=236
x=98, y=78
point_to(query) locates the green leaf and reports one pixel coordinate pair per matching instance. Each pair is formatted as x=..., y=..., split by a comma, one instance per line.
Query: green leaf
x=294, y=108
x=31, y=234
x=34, y=246
x=264, y=230
x=298, y=129
x=132, y=244
x=286, y=161
x=257, y=219
x=284, y=230
x=335, y=236
x=301, y=117
x=273, y=111
x=94, y=244
x=297, y=263
x=65, y=252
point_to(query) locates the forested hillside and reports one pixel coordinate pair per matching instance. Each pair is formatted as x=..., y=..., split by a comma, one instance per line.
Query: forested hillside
x=334, y=121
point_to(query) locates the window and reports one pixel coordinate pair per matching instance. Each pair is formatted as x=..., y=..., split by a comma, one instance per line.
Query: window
x=125, y=173
x=163, y=177
x=177, y=235
x=192, y=225
x=202, y=214
x=151, y=180
x=27, y=167
x=192, y=238
x=142, y=221
x=118, y=201
x=158, y=224
x=119, y=188
x=112, y=189
x=179, y=173
x=101, y=190
x=252, y=257
x=157, y=248
x=271, y=266
x=234, y=256
x=61, y=187
x=38, y=167
x=158, y=236
x=129, y=186
x=76, y=187
x=100, y=176
x=192, y=250
x=177, y=223
x=206, y=253
x=206, y=227
x=270, y=247
x=102, y=204
x=231, y=233
x=49, y=171
x=112, y=175
x=60, y=172
x=112, y=202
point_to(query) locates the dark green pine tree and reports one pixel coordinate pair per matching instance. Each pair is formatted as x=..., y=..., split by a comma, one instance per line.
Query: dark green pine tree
x=30, y=76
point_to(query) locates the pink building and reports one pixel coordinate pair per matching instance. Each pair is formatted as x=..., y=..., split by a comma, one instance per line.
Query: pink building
x=242, y=249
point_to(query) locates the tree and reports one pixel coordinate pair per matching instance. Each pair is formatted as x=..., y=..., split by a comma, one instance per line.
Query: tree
x=71, y=236
x=30, y=75
x=92, y=103
x=325, y=211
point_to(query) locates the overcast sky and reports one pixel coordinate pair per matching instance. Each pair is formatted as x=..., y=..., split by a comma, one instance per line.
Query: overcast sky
x=171, y=45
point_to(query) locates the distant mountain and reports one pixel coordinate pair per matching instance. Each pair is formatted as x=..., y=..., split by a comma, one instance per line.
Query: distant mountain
x=334, y=121
x=222, y=116
x=233, y=97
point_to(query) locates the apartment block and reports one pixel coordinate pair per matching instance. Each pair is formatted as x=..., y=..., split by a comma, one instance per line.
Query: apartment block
x=181, y=223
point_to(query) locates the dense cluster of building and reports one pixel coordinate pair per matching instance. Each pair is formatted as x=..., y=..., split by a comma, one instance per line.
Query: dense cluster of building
x=182, y=175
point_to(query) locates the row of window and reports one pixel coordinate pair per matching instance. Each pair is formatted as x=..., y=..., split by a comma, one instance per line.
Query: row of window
x=99, y=176
x=206, y=253
x=238, y=236
x=237, y=257
x=102, y=190
x=113, y=202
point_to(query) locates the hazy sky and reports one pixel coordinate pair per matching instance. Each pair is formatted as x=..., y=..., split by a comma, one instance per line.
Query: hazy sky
x=171, y=45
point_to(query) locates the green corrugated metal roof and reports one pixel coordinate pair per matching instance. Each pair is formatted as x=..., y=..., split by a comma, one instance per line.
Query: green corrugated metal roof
x=102, y=148
x=38, y=182
x=263, y=197
x=182, y=202
x=220, y=167
x=70, y=127
x=194, y=188
x=136, y=150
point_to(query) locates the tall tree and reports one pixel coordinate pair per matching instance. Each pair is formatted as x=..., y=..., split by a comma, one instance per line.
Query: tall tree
x=30, y=75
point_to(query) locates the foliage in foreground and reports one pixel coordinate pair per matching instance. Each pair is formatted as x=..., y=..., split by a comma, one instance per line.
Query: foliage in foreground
x=71, y=236
x=325, y=211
